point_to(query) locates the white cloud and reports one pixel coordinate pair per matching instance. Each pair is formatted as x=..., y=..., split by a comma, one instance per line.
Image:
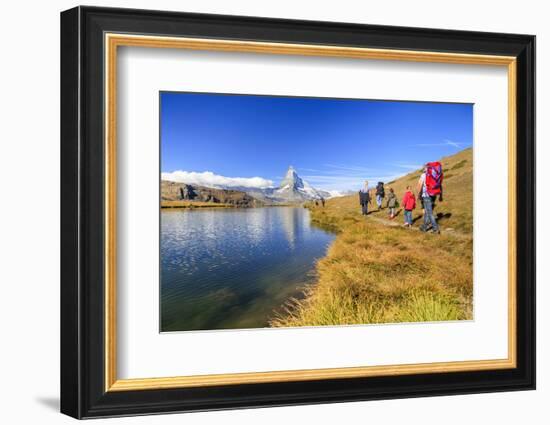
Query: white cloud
x=349, y=168
x=209, y=179
x=446, y=142
x=455, y=144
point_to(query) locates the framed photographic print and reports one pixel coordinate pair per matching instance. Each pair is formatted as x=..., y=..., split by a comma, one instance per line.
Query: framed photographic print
x=261, y=212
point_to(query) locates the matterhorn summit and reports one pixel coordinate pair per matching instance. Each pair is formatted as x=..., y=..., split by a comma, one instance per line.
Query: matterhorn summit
x=292, y=180
x=294, y=189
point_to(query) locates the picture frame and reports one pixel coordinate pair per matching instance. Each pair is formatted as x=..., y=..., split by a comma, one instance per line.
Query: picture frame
x=90, y=40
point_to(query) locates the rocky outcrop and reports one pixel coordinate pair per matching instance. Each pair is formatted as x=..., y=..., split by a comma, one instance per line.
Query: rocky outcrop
x=172, y=191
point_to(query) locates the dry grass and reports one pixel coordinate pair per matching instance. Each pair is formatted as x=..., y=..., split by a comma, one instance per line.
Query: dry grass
x=374, y=273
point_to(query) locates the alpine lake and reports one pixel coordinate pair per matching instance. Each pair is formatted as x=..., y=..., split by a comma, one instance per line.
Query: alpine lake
x=234, y=268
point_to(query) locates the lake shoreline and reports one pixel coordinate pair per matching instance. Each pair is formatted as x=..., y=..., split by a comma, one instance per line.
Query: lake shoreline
x=164, y=206
x=184, y=205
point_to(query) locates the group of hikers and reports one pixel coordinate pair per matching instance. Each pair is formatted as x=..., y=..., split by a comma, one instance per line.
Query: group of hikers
x=322, y=200
x=429, y=188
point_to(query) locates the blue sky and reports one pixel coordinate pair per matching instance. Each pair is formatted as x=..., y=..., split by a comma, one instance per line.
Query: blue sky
x=334, y=144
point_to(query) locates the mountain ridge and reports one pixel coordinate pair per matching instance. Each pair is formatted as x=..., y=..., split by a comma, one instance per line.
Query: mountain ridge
x=292, y=190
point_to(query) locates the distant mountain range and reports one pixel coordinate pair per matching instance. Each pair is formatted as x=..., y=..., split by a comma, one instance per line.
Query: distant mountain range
x=292, y=190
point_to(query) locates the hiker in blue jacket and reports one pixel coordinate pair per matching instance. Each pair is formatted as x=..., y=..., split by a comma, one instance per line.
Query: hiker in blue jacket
x=364, y=199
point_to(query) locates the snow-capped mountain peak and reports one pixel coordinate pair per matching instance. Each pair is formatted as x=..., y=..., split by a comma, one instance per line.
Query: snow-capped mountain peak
x=291, y=180
x=294, y=189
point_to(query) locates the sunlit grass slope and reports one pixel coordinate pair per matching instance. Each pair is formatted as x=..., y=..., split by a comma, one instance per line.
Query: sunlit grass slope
x=375, y=272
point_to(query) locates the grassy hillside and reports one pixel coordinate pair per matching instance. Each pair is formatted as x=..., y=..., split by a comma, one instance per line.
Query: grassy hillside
x=377, y=272
x=455, y=210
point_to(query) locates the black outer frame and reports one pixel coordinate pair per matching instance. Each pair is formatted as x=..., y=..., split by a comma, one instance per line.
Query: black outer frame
x=82, y=206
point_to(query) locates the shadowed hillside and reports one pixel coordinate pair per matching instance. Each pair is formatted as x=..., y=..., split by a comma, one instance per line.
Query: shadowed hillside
x=378, y=272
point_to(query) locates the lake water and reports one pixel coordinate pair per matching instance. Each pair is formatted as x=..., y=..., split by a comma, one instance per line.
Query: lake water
x=232, y=268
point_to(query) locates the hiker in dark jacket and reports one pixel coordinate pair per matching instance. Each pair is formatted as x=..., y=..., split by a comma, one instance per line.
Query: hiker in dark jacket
x=364, y=199
x=392, y=203
x=379, y=194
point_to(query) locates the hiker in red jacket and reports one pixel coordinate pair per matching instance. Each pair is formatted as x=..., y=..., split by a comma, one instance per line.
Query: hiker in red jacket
x=408, y=204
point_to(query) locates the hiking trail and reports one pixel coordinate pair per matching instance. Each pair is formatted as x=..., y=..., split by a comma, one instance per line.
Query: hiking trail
x=398, y=222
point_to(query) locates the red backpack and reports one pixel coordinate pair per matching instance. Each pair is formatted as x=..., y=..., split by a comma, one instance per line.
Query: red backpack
x=434, y=178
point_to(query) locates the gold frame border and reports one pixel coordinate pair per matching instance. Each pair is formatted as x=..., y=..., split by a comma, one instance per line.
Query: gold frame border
x=113, y=41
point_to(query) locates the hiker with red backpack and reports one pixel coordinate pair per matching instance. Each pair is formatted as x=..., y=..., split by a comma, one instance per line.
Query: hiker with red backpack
x=408, y=204
x=430, y=185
